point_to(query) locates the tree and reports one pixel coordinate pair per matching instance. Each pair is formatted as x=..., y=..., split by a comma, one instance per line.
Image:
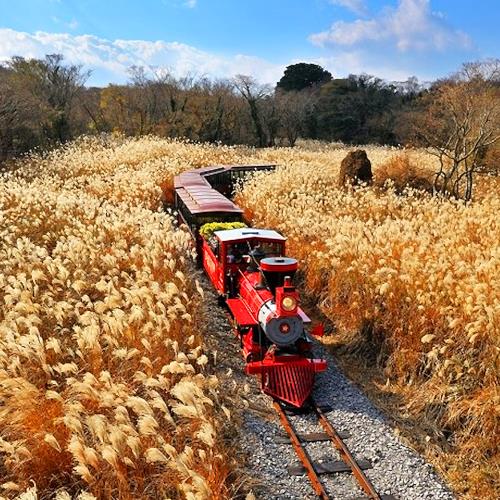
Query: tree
x=460, y=122
x=114, y=107
x=18, y=119
x=89, y=112
x=303, y=75
x=293, y=108
x=214, y=105
x=253, y=93
x=357, y=109
x=55, y=87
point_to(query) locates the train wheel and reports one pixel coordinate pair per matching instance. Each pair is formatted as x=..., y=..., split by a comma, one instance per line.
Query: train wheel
x=251, y=357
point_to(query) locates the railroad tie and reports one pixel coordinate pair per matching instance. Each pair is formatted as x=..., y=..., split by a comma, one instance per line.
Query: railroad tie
x=328, y=467
x=310, y=437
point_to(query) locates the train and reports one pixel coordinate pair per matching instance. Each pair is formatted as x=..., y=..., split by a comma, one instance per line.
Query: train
x=254, y=279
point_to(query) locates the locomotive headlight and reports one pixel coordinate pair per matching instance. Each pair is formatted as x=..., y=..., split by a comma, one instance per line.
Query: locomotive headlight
x=284, y=328
x=289, y=303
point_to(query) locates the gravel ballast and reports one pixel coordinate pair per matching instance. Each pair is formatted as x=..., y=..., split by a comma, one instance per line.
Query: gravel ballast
x=396, y=469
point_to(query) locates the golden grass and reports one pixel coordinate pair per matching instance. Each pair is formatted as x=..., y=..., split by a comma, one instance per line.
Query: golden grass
x=103, y=383
x=104, y=388
x=413, y=285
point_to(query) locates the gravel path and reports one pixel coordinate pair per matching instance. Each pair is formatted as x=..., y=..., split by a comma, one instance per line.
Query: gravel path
x=397, y=469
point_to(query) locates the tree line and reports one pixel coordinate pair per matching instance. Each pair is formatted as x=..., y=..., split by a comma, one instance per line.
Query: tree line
x=44, y=102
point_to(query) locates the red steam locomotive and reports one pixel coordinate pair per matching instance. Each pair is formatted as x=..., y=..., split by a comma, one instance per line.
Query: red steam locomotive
x=249, y=270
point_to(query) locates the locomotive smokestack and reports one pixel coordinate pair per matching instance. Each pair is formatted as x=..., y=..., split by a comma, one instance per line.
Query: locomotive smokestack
x=277, y=270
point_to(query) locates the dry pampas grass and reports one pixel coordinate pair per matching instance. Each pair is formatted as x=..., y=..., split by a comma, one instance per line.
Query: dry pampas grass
x=102, y=384
x=104, y=387
x=413, y=285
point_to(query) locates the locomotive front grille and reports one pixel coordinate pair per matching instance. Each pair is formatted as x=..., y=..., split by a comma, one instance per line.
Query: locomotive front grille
x=290, y=382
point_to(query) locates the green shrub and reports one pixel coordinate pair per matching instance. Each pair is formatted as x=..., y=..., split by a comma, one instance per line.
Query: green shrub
x=207, y=230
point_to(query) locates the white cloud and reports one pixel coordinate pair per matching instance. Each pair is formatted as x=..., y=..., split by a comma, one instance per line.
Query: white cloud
x=356, y=62
x=190, y=4
x=410, y=26
x=356, y=6
x=111, y=59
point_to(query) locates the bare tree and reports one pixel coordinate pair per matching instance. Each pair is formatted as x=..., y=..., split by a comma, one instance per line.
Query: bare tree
x=55, y=86
x=214, y=107
x=153, y=102
x=461, y=120
x=253, y=93
x=20, y=117
x=293, y=108
x=89, y=108
x=270, y=118
x=12, y=117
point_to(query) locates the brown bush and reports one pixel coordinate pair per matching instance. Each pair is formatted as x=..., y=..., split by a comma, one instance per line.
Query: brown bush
x=491, y=160
x=403, y=173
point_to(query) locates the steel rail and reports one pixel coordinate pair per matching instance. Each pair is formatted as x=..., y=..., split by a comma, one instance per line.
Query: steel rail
x=301, y=453
x=340, y=446
x=346, y=455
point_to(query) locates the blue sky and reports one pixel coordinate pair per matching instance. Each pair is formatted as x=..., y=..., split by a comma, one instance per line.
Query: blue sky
x=392, y=39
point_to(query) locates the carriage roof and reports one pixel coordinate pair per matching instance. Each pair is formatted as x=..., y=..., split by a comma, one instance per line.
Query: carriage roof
x=201, y=199
x=248, y=233
x=195, y=189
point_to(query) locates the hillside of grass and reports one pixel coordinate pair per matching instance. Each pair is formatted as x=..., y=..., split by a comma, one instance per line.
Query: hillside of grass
x=105, y=386
x=104, y=389
x=411, y=287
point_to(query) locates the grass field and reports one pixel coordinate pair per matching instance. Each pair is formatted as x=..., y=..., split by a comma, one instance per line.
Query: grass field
x=412, y=285
x=103, y=387
x=104, y=384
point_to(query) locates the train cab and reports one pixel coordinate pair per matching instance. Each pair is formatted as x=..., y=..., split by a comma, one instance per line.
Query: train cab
x=228, y=253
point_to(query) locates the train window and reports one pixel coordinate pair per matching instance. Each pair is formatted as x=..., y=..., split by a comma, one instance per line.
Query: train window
x=188, y=217
x=271, y=249
x=235, y=252
x=214, y=245
x=239, y=174
x=182, y=209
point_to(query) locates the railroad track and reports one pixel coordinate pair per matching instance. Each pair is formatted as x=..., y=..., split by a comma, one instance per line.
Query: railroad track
x=314, y=469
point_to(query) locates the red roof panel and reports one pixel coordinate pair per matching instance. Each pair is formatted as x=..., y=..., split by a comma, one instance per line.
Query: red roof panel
x=199, y=196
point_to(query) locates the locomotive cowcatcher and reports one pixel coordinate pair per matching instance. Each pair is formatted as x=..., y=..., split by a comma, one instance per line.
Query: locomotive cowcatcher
x=249, y=270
